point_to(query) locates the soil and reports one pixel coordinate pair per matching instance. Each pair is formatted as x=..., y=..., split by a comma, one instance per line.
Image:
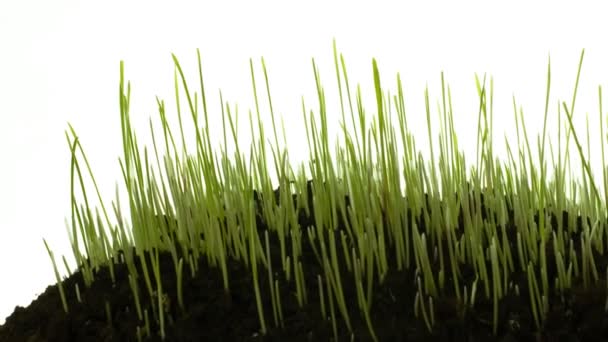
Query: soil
x=212, y=314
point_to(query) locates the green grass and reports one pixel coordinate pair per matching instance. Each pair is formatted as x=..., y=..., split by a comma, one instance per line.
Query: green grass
x=196, y=183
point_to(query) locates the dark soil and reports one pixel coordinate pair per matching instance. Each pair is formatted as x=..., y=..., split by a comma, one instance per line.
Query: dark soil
x=211, y=314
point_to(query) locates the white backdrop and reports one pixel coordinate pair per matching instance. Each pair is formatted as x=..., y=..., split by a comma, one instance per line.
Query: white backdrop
x=59, y=63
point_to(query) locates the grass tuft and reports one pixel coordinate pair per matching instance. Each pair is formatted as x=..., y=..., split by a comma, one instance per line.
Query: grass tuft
x=469, y=236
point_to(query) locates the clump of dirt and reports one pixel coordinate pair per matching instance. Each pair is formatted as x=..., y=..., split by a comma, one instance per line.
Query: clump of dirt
x=212, y=314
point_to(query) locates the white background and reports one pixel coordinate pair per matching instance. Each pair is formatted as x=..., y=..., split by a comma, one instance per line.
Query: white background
x=59, y=63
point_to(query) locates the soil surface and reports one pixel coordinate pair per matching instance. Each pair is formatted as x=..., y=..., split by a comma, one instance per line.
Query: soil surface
x=213, y=314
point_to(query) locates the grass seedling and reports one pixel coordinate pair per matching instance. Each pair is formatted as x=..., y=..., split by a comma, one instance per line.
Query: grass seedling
x=455, y=219
x=58, y=277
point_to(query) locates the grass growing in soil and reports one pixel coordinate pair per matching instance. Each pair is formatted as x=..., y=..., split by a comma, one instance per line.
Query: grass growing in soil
x=374, y=246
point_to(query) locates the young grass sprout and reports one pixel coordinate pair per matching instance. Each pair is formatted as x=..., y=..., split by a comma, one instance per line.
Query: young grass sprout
x=447, y=228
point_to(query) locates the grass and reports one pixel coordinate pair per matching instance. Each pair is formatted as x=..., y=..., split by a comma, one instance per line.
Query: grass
x=212, y=200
